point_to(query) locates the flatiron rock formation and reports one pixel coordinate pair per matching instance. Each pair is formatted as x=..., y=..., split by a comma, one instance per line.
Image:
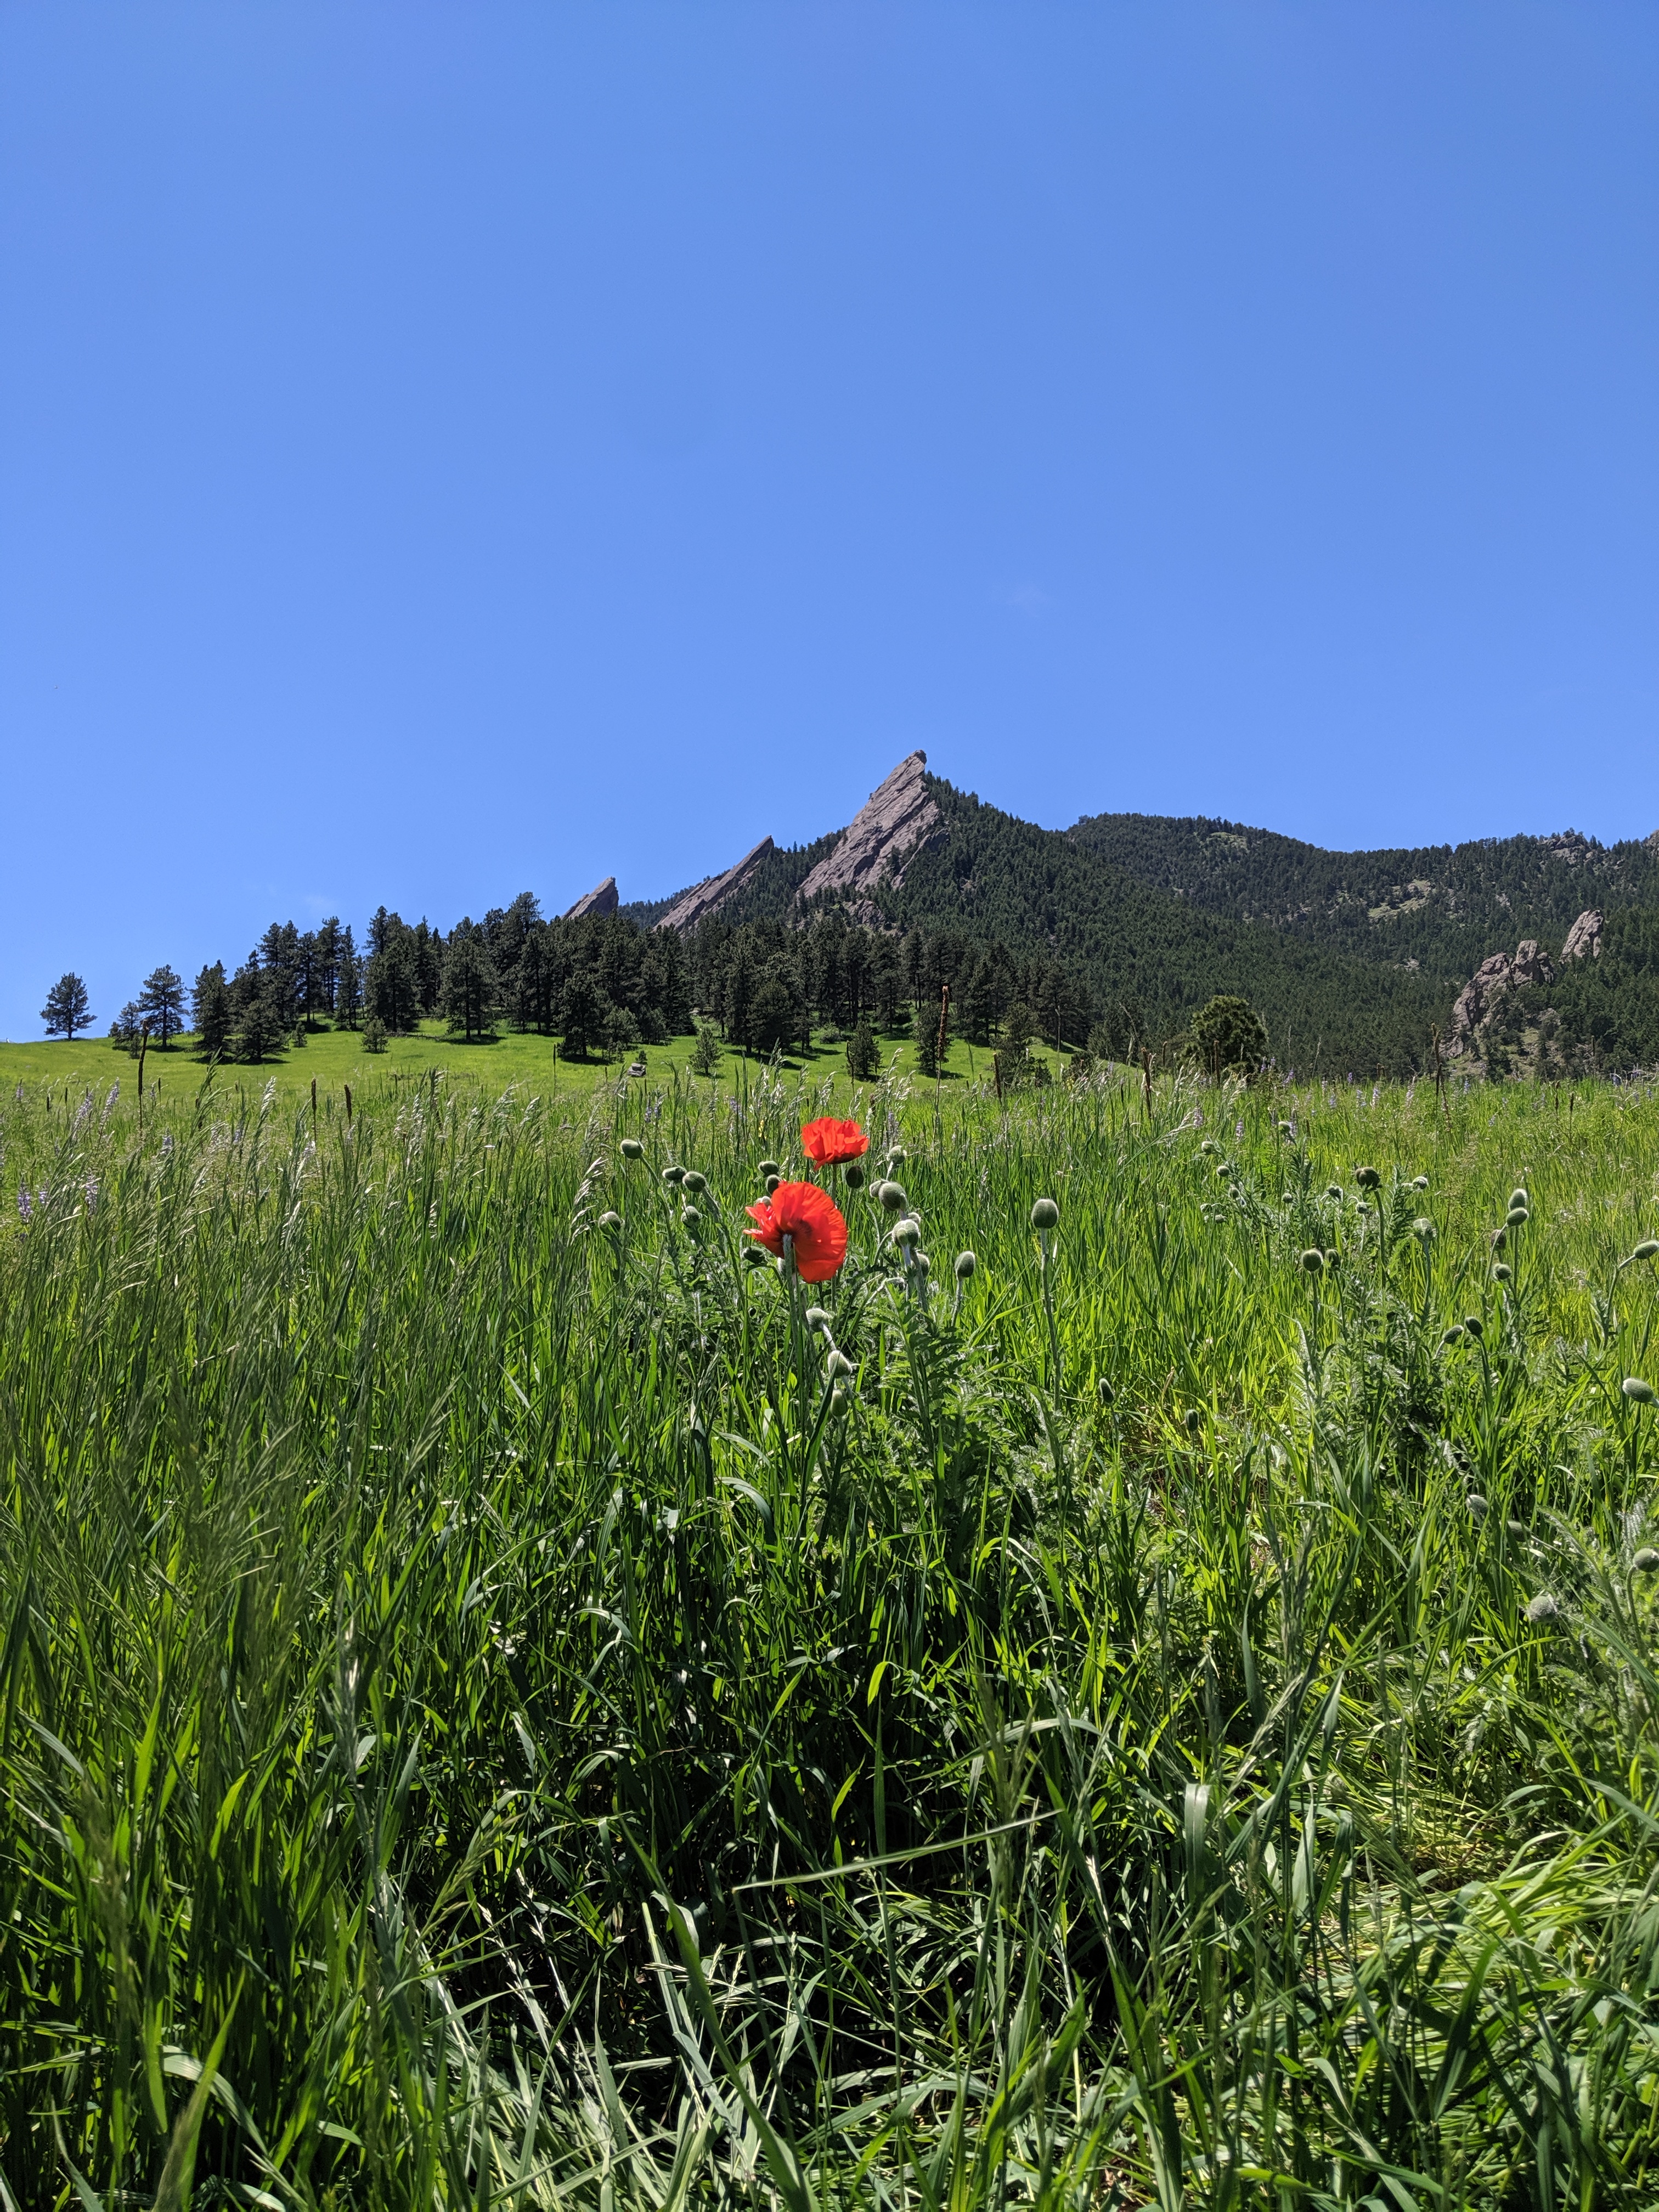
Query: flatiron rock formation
x=710, y=895
x=602, y=899
x=897, y=819
x=1491, y=981
x=1584, y=937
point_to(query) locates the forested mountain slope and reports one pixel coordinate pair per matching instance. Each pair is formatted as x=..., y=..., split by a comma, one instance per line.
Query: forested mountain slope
x=1446, y=907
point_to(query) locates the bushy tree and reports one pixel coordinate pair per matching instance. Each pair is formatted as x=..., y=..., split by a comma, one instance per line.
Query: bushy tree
x=65, y=1010
x=1228, y=1037
x=863, y=1059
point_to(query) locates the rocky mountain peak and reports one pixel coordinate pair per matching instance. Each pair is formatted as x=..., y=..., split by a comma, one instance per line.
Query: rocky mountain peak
x=898, y=818
x=711, y=895
x=602, y=899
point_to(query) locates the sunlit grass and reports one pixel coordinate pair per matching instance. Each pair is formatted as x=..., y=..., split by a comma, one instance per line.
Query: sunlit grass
x=496, y=1710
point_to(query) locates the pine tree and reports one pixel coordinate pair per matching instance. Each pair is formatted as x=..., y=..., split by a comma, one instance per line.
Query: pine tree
x=931, y=1027
x=468, y=993
x=582, y=1016
x=161, y=1004
x=863, y=1059
x=259, y=1030
x=211, y=1013
x=348, y=983
x=65, y=1010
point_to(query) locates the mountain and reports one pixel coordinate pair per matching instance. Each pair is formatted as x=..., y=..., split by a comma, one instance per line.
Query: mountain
x=1352, y=958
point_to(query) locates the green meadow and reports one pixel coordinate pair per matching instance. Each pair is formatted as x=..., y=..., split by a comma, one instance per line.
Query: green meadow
x=509, y=1696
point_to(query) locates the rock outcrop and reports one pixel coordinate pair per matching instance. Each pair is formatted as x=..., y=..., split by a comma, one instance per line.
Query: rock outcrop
x=1491, y=981
x=899, y=817
x=1584, y=937
x=602, y=899
x=711, y=895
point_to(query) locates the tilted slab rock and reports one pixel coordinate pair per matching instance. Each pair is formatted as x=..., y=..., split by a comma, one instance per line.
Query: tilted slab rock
x=1585, y=936
x=710, y=895
x=602, y=899
x=899, y=817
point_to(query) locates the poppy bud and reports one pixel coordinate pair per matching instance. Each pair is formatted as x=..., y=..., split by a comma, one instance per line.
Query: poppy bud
x=1367, y=1178
x=772, y=1183
x=853, y=1172
x=1515, y=1527
x=1542, y=1607
x=1516, y=1216
x=967, y=1265
x=1638, y=1393
x=769, y=1167
x=689, y=1217
x=1284, y=1197
x=1501, y=1273
x=816, y=1317
x=892, y=1196
x=1645, y=1560
x=673, y=1175
x=1045, y=1214
x=631, y=1149
x=921, y=1263
x=1104, y=1391
x=610, y=1221
x=1645, y=1250
x=755, y=1255
x=1208, y=1146
x=1499, y=1239
x=1419, y=1182
x=1194, y=1417
x=1334, y=1190
x=694, y=1182
x=838, y=1398
x=1474, y=1324
x=907, y=1232
x=1477, y=1506
x=1423, y=1227
x=1313, y=1262
x=1286, y=1129
x=1519, y=1198
x=838, y=1363
x=1453, y=1335
x=895, y=1156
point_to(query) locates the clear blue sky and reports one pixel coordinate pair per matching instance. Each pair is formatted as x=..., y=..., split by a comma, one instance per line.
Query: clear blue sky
x=446, y=450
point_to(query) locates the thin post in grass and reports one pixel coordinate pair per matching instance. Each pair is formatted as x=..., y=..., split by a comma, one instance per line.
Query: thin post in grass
x=938, y=1059
x=144, y=1047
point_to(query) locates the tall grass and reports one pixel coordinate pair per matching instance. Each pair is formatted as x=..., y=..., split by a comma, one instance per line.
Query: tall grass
x=495, y=1711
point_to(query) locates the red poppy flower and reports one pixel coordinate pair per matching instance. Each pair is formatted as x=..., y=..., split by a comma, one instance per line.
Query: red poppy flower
x=830, y=1142
x=809, y=1216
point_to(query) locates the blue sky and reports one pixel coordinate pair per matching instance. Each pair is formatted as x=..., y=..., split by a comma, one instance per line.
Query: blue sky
x=444, y=450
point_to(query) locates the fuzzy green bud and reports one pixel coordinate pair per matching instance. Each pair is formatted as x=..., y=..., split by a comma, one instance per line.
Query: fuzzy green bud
x=853, y=1172
x=1454, y=1334
x=1475, y=1326
x=892, y=1196
x=1045, y=1214
x=1638, y=1392
x=1367, y=1178
x=1645, y=1560
x=672, y=1175
x=838, y=1363
x=1500, y=1237
x=696, y=1181
x=767, y=1167
x=1104, y=1391
x=1193, y=1421
x=689, y=1218
x=921, y=1263
x=1646, y=1250
x=1313, y=1261
x=907, y=1232
x=772, y=1183
x=610, y=1221
x=1541, y=1608
x=1422, y=1228
x=1334, y=1190
x=631, y=1149
x=1503, y=1273
x=816, y=1317
x=1477, y=1506
x=1419, y=1182
x=1516, y=1216
x=967, y=1267
x=1519, y=1198
x=756, y=1256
